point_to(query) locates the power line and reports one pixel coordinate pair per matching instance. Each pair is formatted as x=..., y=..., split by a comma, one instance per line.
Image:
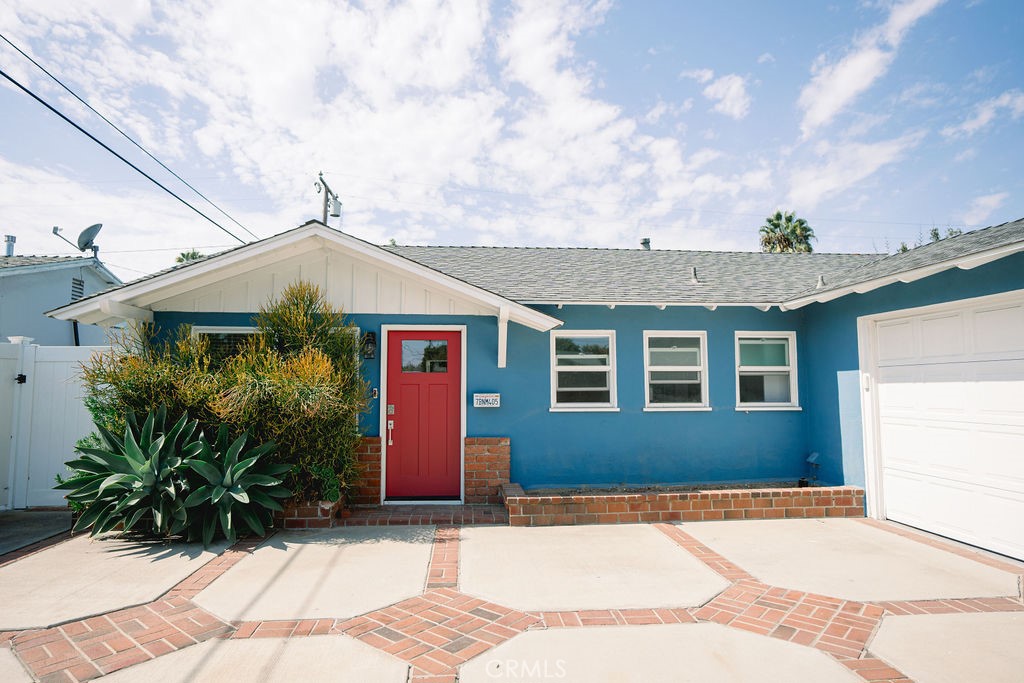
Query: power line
x=125, y=135
x=99, y=142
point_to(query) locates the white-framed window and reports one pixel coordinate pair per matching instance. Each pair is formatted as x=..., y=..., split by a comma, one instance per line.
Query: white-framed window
x=766, y=376
x=583, y=370
x=675, y=370
x=224, y=340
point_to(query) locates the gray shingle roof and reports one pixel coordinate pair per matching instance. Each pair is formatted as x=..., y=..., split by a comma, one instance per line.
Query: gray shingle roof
x=551, y=275
x=562, y=275
x=926, y=255
x=21, y=261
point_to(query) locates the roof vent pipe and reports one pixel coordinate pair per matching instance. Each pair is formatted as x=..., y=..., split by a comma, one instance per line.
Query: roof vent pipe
x=693, y=276
x=9, y=241
x=821, y=282
x=645, y=243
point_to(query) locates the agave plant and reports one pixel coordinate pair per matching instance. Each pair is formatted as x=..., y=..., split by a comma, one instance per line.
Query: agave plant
x=136, y=479
x=233, y=485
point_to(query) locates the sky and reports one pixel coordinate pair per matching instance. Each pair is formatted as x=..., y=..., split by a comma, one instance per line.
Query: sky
x=532, y=123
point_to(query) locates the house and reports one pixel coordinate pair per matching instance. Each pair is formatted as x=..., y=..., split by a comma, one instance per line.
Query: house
x=32, y=285
x=901, y=373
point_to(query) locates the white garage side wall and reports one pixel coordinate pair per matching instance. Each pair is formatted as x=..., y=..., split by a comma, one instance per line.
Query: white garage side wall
x=943, y=402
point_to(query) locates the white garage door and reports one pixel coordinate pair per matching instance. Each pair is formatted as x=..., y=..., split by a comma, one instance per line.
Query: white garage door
x=950, y=392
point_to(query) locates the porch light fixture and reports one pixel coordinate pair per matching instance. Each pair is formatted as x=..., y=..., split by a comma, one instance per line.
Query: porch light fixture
x=370, y=345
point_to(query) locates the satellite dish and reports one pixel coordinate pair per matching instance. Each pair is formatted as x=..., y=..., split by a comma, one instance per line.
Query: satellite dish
x=88, y=238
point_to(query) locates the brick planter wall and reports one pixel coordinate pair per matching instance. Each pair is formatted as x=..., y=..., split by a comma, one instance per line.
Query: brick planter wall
x=487, y=468
x=367, y=490
x=695, y=506
x=322, y=515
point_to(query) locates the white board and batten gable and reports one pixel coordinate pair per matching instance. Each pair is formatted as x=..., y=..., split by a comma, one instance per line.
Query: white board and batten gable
x=348, y=282
x=358, y=276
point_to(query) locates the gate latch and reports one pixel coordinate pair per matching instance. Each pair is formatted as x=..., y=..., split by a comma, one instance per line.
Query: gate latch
x=21, y=378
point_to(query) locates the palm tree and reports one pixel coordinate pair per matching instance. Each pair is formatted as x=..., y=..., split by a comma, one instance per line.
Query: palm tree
x=784, y=232
x=186, y=256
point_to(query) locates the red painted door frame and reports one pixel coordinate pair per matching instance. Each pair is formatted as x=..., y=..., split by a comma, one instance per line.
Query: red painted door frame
x=422, y=414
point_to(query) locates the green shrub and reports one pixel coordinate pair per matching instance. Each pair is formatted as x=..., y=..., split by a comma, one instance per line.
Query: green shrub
x=140, y=373
x=164, y=482
x=299, y=403
x=233, y=485
x=296, y=384
x=136, y=479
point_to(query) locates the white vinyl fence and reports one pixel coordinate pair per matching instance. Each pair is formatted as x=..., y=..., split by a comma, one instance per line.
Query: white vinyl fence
x=41, y=417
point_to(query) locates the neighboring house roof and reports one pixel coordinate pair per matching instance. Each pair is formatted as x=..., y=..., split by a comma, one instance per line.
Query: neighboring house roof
x=564, y=276
x=20, y=261
x=16, y=265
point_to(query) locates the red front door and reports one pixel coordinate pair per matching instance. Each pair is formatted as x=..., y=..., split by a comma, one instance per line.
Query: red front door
x=423, y=415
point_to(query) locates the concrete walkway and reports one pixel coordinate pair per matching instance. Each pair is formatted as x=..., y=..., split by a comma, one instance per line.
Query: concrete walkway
x=320, y=658
x=330, y=573
x=849, y=559
x=653, y=654
x=583, y=567
x=786, y=600
x=19, y=528
x=87, y=576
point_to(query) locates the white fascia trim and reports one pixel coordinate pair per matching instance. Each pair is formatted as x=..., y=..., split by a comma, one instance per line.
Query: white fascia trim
x=518, y=313
x=60, y=265
x=963, y=262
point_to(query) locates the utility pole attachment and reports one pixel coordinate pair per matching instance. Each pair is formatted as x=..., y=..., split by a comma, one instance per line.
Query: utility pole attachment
x=331, y=200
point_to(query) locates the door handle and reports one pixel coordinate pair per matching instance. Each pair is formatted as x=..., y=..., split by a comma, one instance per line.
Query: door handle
x=391, y=425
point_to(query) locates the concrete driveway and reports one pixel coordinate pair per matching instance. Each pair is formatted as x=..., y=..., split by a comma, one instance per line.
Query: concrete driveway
x=785, y=600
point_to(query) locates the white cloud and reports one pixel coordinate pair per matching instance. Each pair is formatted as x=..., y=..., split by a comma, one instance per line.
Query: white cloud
x=923, y=95
x=835, y=85
x=699, y=75
x=966, y=155
x=729, y=93
x=982, y=207
x=436, y=120
x=656, y=113
x=1011, y=101
x=766, y=58
x=843, y=167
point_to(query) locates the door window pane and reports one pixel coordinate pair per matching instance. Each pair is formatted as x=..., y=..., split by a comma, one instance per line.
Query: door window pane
x=424, y=355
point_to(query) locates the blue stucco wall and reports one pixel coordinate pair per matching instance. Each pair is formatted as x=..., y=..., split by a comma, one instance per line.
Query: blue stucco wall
x=831, y=350
x=626, y=447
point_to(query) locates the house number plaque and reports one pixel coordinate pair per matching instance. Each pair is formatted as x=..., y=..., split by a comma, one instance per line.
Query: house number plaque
x=486, y=400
